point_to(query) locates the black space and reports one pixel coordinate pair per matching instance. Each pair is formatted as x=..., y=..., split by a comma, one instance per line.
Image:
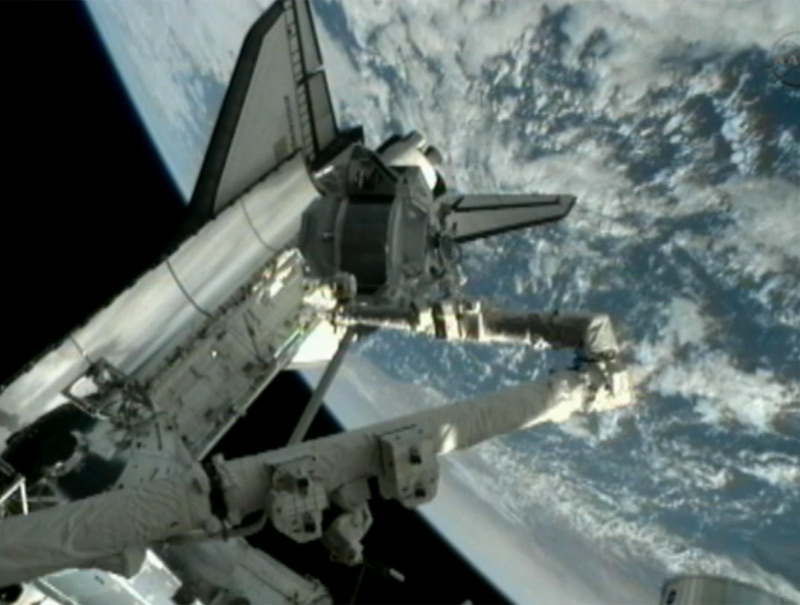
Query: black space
x=86, y=201
x=86, y=207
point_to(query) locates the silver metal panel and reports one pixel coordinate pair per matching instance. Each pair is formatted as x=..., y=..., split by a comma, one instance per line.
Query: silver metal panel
x=275, y=208
x=321, y=110
x=312, y=57
x=155, y=582
x=153, y=585
x=477, y=216
x=210, y=389
x=142, y=320
x=715, y=590
x=31, y=595
x=220, y=370
x=277, y=104
x=268, y=128
x=226, y=252
x=498, y=200
x=218, y=259
x=155, y=315
x=243, y=570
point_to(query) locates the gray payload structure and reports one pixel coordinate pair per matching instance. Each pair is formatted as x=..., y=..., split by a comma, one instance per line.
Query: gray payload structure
x=302, y=240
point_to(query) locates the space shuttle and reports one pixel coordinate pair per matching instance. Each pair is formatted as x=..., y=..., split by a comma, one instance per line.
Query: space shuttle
x=301, y=240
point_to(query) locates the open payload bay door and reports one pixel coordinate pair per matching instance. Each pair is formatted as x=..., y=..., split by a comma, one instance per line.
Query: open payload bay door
x=277, y=104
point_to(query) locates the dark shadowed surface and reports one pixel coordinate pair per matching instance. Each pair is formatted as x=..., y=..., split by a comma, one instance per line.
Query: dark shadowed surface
x=88, y=204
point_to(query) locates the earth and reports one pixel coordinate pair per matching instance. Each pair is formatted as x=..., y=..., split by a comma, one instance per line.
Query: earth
x=667, y=121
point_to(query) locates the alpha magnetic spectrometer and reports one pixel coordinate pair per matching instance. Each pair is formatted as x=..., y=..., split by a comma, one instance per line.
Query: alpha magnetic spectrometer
x=301, y=240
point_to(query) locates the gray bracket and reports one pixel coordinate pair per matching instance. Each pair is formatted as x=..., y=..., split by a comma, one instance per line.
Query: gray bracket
x=296, y=500
x=410, y=469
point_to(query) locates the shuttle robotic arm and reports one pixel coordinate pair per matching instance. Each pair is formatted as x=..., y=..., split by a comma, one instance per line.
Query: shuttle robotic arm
x=292, y=485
